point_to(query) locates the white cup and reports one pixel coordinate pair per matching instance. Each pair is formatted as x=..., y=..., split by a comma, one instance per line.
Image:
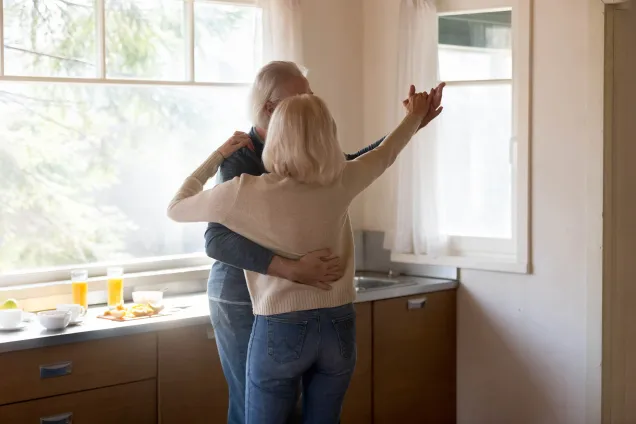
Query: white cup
x=76, y=310
x=10, y=319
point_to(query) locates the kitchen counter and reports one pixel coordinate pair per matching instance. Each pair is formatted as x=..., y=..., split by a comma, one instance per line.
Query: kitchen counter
x=195, y=312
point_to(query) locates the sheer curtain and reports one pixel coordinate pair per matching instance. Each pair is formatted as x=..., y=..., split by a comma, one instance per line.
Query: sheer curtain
x=415, y=228
x=281, y=30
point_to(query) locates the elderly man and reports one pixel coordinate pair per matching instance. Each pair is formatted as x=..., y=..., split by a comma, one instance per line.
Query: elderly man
x=230, y=305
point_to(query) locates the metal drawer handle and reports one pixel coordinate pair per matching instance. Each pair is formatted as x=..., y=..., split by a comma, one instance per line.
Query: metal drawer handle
x=66, y=418
x=211, y=335
x=417, y=303
x=56, y=370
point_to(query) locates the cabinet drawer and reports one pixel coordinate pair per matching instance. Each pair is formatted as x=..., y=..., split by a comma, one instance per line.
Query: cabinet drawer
x=126, y=403
x=56, y=370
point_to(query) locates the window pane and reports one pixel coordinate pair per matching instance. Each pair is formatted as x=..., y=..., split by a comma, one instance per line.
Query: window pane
x=145, y=39
x=87, y=171
x=475, y=46
x=50, y=38
x=225, y=39
x=475, y=172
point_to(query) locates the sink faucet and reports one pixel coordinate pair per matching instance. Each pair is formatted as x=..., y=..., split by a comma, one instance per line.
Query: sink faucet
x=393, y=274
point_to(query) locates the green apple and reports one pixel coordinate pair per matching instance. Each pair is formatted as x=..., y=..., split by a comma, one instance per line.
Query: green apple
x=9, y=304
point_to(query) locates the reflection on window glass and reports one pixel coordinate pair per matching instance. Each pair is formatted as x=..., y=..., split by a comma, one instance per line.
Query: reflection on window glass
x=474, y=148
x=49, y=38
x=475, y=46
x=87, y=170
x=225, y=40
x=145, y=39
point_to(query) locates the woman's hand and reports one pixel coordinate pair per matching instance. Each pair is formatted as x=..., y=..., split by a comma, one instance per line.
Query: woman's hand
x=435, y=108
x=418, y=103
x=237, y=141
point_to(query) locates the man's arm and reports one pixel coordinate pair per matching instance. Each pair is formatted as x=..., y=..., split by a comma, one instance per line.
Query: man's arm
x=352, y=156
x=226, y=246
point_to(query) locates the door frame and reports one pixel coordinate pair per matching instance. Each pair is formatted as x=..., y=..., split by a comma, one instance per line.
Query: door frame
x=613, y=383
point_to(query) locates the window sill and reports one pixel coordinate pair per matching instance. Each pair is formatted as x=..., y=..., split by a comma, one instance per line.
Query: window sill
x=40, y=296
x=490, y=263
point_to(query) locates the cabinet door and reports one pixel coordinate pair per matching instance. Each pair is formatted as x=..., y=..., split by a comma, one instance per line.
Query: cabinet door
x=357, y=404
x=192, y=388
x=414, y=359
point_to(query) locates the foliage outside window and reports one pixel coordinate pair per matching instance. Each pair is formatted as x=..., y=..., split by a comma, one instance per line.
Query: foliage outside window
x=105, y=106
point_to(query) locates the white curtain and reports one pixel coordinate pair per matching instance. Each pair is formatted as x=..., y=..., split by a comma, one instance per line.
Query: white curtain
x=416, y=224
x=282, y=30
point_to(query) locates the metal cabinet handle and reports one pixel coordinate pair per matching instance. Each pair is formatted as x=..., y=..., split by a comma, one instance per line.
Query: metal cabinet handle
x=66, y=418
x=418, y=303
x=211, y=335
x=56, y=370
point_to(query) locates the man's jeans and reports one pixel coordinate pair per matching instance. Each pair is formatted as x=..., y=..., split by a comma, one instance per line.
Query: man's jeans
x=232, y=329
x=317, y=348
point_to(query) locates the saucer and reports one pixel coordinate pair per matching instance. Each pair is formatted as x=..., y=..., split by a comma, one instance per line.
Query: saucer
x=76, y=322
x=28, y=316
x=20, y=327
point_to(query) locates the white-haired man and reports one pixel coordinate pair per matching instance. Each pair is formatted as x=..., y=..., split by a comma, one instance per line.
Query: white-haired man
x=230, y=305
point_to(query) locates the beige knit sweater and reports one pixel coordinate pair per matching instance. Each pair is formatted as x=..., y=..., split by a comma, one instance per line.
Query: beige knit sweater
x=290, y=218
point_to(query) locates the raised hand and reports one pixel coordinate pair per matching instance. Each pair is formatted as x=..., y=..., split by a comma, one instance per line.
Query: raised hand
x=435, y=106
x=418, y=103
x=237, y=141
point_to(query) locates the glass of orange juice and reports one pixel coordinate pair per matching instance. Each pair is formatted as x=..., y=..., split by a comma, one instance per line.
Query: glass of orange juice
x=115, y=276
x=79, y=282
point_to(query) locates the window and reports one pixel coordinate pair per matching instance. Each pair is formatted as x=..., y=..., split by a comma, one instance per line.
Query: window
x=482, y=169
x=106, y=105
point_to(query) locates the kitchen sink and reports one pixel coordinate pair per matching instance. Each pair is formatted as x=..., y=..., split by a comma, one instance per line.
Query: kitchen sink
x=364, y=283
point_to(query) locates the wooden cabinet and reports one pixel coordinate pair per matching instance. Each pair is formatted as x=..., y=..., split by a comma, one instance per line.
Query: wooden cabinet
x=357, y=408
x=55, y=370
x=414, y=359
x=192, y=388
x=125, y=403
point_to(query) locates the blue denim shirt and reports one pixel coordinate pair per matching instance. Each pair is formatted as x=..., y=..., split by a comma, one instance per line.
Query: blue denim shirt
x=233, y=252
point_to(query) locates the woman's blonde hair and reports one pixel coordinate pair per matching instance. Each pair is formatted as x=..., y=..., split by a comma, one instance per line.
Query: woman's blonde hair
x=302, y=141
x=268, y=87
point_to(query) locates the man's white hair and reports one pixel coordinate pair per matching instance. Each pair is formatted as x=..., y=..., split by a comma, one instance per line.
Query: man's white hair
x=268, y=87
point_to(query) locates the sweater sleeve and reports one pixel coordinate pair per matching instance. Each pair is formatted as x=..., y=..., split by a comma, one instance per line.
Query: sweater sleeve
x=193, y=204
x=361, y=172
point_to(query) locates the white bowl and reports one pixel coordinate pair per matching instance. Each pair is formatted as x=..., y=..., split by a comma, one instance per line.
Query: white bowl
x=54, y=320
x=152, y=297
x=10, y=318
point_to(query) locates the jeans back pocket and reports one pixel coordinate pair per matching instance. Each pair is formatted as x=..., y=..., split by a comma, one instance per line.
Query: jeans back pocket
x=346, y=330
x=285, y=339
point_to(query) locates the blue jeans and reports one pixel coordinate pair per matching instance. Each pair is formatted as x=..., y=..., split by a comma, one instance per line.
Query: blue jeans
x=232, y=329
x=317, y=348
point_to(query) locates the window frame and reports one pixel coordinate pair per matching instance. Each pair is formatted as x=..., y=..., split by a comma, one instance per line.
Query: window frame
x=503, y=255
x=143, y=271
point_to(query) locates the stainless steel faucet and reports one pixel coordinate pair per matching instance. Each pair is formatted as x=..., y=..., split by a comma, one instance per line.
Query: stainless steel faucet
x=393, y=274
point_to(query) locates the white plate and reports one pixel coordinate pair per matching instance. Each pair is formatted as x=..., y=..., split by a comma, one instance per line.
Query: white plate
x=20, y=327
x=76, y=322
x=28, y=316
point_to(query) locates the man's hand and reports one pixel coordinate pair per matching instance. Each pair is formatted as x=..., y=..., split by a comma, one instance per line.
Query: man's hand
x=435, y=108
x=317, y=269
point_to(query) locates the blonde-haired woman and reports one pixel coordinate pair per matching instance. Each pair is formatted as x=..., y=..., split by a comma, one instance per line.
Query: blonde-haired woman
x=300, y=333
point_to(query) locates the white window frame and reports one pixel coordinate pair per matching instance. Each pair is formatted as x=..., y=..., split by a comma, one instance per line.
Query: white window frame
x=144, y=271
x=504, y=255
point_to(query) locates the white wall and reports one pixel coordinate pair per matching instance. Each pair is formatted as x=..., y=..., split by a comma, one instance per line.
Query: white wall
x=529, y=346
x=333, y=53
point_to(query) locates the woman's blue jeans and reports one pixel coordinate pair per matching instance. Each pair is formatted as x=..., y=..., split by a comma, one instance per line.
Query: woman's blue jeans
x=316, y=348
